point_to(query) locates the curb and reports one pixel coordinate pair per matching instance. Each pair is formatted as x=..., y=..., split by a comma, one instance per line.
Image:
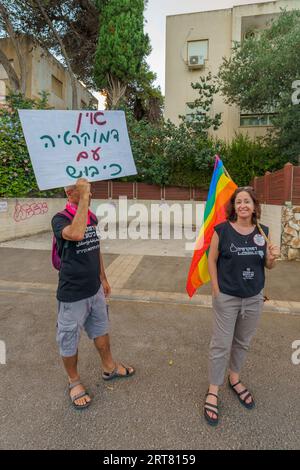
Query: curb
x=129, y=295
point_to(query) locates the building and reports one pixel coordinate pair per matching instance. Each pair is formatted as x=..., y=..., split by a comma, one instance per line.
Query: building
x=44, y=73
x=196, y=44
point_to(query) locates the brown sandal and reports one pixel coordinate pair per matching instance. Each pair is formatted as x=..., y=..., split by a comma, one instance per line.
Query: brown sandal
x=82, y=394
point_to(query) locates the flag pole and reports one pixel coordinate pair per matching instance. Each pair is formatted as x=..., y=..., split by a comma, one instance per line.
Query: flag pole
x=226, y=173
x=262, y=232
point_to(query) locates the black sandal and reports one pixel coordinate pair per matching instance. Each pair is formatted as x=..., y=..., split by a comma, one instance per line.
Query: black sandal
x=211, y=421
x=114, y=374
x=250, y=405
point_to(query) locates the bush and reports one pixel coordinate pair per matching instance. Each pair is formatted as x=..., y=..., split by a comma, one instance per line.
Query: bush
x=16, y=173
x=245, y=158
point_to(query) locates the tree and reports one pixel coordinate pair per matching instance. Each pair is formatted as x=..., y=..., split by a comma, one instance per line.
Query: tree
x=38, y=4
x=121, y=49
x=67, y=28
x=143, y=98
x=73, y=23
x=184, y=155
x=259, y=77
x=199, y=121
x=81, y=35
x=8, y=29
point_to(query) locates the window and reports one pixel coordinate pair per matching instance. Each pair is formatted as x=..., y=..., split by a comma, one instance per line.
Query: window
x=57, y=86
x=190, y=114
x=255, y=120
x=197, y=53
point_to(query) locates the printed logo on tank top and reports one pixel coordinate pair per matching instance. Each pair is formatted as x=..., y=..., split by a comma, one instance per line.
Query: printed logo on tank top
x=248, y=274
x=246, y=250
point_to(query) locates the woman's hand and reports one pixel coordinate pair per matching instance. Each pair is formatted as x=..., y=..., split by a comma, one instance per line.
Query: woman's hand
x=273, y=252
x=215, y=292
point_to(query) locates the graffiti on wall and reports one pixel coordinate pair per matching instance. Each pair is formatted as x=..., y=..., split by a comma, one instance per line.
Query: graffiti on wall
x=26, y=211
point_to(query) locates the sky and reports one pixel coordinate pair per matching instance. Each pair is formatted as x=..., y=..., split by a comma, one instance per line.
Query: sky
x=155, y=26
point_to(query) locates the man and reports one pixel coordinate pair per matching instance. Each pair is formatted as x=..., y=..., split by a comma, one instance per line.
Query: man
x=82, y=289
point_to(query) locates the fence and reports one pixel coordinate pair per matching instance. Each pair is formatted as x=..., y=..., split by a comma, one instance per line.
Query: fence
x=278, y=187
x=114, y=189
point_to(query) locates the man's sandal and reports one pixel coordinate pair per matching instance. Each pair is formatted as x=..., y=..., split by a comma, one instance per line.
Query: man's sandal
x=82, y=394
x=114, y=374
x=207, y=406
x=250, y=405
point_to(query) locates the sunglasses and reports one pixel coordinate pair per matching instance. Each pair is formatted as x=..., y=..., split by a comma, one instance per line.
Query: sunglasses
x=246, y=187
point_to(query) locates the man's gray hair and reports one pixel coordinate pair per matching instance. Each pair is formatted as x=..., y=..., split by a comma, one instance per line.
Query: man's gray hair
x=69, y=188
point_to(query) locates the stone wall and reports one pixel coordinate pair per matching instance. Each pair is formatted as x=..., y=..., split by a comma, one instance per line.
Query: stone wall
x=290, y=239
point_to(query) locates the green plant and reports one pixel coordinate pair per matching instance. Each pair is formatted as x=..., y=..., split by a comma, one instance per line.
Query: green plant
x=16, y=173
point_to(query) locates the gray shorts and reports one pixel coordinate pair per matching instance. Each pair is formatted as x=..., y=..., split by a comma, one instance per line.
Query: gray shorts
x=90, y=314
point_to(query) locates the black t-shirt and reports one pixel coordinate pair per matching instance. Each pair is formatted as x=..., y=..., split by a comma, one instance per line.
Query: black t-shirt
x=241, y=261
x=79, y=274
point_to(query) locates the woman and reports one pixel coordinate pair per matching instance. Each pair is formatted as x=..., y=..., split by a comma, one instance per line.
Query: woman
x=237, y=257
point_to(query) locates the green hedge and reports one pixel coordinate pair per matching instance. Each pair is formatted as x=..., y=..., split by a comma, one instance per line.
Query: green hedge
x=16, y=173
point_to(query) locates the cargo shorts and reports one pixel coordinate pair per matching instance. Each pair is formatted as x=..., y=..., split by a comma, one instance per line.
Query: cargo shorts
x=90, y=314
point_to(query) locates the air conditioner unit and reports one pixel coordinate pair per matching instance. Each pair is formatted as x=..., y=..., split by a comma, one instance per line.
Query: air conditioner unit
x=196, y=61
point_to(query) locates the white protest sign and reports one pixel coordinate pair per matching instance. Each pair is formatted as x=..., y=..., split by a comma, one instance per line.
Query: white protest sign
x=67, y=145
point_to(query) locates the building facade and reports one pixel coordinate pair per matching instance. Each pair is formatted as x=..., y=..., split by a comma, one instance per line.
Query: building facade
x=196, y=44
x=44, y=73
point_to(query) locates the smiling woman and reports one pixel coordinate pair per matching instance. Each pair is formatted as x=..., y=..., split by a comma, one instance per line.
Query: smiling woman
x=244, y=202
x=239, y=252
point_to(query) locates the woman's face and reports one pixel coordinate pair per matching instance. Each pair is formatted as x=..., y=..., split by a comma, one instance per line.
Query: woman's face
x=244, y=205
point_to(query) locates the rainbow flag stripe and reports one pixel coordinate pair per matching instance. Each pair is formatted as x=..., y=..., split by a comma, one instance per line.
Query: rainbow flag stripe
x=220, y=191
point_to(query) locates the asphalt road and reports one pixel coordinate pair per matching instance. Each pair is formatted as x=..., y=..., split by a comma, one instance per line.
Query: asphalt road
x=161, y=406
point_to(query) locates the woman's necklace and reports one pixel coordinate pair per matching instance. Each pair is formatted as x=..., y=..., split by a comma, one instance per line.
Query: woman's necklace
x=246, y=236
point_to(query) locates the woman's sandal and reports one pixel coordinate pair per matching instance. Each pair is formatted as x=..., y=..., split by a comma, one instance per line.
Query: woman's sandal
x=114, y=374
x=82, y=394
x=250, y=405
x=209, y=419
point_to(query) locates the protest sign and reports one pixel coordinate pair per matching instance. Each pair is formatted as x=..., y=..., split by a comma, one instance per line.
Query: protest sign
x=67, y=145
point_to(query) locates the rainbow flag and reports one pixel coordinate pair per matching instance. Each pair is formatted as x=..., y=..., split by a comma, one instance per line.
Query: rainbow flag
x=220, y=191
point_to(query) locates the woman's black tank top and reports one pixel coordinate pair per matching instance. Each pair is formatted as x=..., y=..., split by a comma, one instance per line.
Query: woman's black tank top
x=241, y=261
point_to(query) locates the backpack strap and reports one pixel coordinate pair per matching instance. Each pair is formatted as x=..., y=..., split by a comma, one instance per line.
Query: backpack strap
x=93, y=218
x=67, y=214
x=70, y=216
x=64, y=243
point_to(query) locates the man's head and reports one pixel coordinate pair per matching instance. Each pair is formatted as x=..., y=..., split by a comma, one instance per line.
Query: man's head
x=73, y=194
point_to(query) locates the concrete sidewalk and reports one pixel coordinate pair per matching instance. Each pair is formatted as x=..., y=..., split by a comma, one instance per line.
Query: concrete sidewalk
x=145, y=270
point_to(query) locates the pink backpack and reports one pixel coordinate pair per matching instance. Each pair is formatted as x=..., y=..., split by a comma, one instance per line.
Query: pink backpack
x=56, y=258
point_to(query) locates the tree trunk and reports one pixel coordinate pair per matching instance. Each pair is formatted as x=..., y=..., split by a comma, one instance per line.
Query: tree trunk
x=116, y=91
x=17, y=46
x=11, y=73
x=64, y=53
